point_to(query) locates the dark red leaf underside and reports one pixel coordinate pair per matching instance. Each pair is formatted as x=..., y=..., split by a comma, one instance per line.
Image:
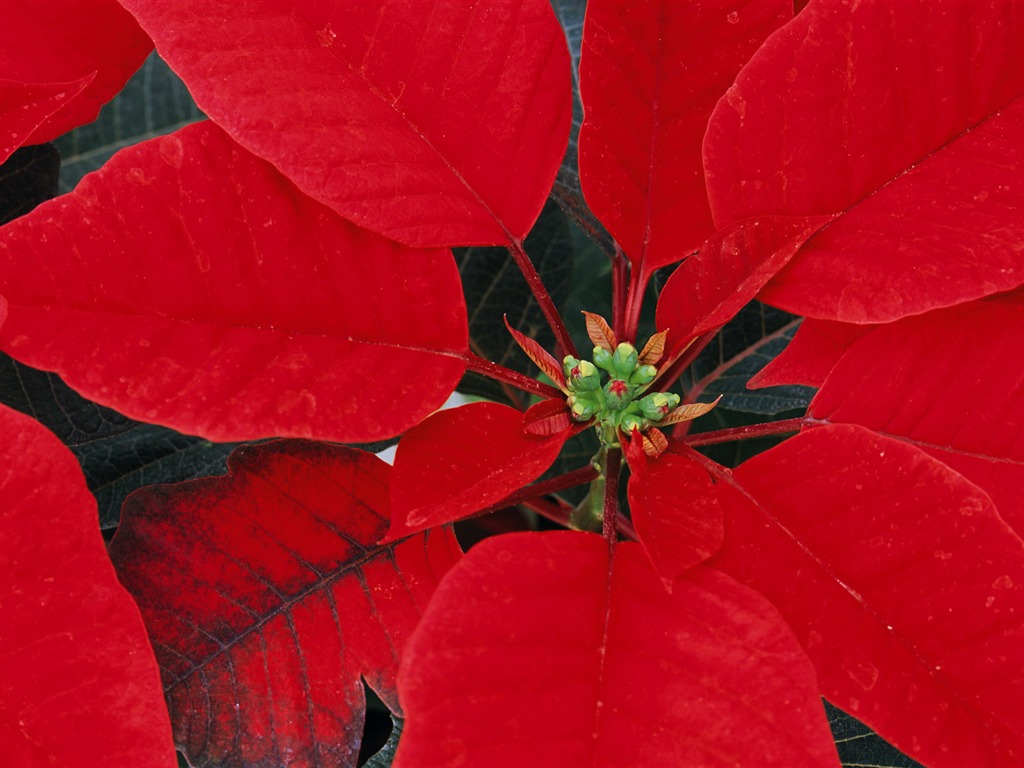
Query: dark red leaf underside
x=650, y=74
x=535, y=652
x=77, y=676
x=949, y=382
x=710, y=287
x=811, y=355
x=902, y=582
x=547, y=417
x=221, y=301
x=53, y=44
x=267, y=597
x=918, y=144
x=461, y=460
x=435, y=124
x=676, y=512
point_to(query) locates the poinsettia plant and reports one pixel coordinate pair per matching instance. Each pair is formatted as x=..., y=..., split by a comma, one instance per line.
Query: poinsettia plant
x=284, y=269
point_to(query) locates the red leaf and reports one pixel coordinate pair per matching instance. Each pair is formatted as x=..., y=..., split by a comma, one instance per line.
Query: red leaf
x=435, y=126
x=267, y=598
x=250, y=311
x=811, y=355
x=50, y=46
x=918, y=143
x=600, y=333
x=461, y=460
x=77, y=676
x=547, y=417
x=543, y=359
x=901, y=581
x=710, y=287
x=947, y=382
x=535, y=652
x=676, y=513
x=25, y=106
x=651, y=71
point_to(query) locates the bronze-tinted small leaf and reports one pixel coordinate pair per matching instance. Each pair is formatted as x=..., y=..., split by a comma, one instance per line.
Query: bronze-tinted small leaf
x=541, y=357
x=655, y=442
x=688, y=412
x=654, y=348
x=600, y=332
x=547, y=418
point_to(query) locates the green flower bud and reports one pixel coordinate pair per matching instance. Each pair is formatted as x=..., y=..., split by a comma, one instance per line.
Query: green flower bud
x=617, y=394
x=568, y=363
x=624, y=360
x=643, y=375
x=657, y=406
x=603, y=359
x=583, y=377
x=582, y=408
x=631, y=421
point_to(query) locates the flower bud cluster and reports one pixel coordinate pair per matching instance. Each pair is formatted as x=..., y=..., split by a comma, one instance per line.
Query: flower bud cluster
x=618, y=403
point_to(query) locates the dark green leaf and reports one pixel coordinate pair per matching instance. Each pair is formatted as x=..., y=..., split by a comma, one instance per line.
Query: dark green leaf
x=494, y=287
x=742, y=348
x=154, y=102
x=859, y=746
x=28, y=178
x=386, y=756
x=567, y=192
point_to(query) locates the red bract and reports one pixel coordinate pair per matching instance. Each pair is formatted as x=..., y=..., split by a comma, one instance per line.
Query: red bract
x=76, y=673
x=859, y=163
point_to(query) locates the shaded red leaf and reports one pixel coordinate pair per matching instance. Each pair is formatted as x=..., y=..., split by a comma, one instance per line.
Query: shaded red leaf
x=901, y=581
x=811, y=355
x=267, y=598
x=413, y=121
x=919, y=146
x=676, y=513
x=600, y=333
x=710, y=287
x=534, y=651
x=651, y=72
x=949, y=383
x=222, y=302
x=547, y=417
x=77, y=675
x=25, y=106
x=461, y=460
x=54, y=44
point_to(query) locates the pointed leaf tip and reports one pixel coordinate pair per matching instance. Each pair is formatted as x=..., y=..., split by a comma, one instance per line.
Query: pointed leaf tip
x=600, y=332
x=688, y=412
x=543, y=359
x=654, y=348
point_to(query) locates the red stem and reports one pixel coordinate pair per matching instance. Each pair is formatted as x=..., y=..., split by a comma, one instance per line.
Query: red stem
x=613, y=467
x=500, y=373
x=544, y=488
x=673, y=369
x=620, y=290
x=753, y=430
x=637, y=284
x=562, y=338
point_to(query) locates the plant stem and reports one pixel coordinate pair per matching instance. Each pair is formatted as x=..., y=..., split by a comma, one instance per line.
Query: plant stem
x=620, y=290
x=544, y=488
x=506, y=375
x=753, y=430
x=562, y=338
x=612, y=471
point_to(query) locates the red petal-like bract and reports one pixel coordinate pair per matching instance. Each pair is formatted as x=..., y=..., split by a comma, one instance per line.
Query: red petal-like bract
x=676, y=512
x=267, y=597
x=536, y=651
x=949, y=382
x=25, y=106
x=221, y=301
x=710, y=287
x=811, y=355
x=651, y=71
x=78, y=682
x=902, y=582
x=461, y=460
x=434, y=123
x=905, y=116
x=53, y=44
